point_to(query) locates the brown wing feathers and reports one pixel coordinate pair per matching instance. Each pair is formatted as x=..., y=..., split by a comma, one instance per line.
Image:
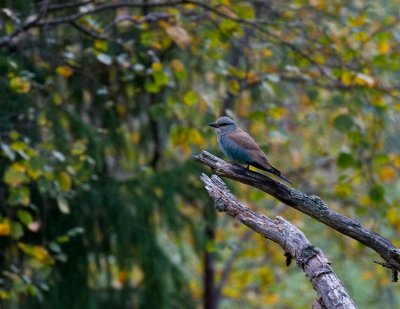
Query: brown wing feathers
x=258, y=157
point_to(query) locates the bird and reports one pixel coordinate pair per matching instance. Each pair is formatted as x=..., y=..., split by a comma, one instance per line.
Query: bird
x=240, y=147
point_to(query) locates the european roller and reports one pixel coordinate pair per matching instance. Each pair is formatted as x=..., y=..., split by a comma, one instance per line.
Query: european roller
x=240, y=147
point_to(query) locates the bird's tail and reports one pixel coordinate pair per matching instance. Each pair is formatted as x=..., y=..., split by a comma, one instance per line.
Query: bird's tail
x=278, y=173
x=271, y=169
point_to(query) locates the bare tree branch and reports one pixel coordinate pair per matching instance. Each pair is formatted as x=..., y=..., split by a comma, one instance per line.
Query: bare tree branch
x=311, y=205
x=310, y=259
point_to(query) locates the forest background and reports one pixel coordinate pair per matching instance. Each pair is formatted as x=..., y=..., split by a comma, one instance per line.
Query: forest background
x=103, y=104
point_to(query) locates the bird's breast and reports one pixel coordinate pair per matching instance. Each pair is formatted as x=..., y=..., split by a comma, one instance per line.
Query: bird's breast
x=233, y=150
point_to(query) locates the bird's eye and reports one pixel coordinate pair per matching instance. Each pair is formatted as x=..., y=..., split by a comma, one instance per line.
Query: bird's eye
x=223, y=124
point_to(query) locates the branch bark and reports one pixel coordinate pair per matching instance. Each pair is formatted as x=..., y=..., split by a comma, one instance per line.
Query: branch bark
x=311, y=205
x=310, y=259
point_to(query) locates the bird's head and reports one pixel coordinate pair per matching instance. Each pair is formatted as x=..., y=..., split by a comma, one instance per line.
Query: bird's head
x=224, y=125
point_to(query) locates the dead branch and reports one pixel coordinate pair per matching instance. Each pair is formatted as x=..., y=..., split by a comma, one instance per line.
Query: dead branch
x=310, y=259
x=311, y=205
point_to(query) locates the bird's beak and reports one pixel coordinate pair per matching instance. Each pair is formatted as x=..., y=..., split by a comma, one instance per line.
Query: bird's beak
x=213, y=124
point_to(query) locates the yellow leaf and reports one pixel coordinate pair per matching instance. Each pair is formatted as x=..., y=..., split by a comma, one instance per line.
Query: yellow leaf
x=41, y=254
x=65, y=181
x=15, y=175
x=196, y=138
x=19, y=167
x=378, y=101
x=361, y=36
x=122, y=277
x=101, y=45
x=226, y=2
x=157, y=66
x=38, y=252
x=267, y=53
x=392, y=215
x=396, y=160
x=352, y=78
x=4, y=294
x=179, y=35
x=277, y=112
x=364, y=79
x=365, y=201
x=232, y=292
x=18, y=145
x=14, y=135
x=357, y=21
x=190, y=98
x=79, y=148
x=20, y=84
x=177, y=65
x=387, y=173
x=318, y=3
x=271, y=299
x=252, y=78
x=343, y=190
x=233, y=86
x=135, y=137
x=5, y=228
x=367, y=275
x=347, y=78
x=65, y=71
x=383, y=47
x=137, y=275
x=190, y=6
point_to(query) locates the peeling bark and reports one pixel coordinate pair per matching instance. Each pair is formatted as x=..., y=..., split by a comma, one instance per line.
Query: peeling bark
x=295, y=244
x=311, y=205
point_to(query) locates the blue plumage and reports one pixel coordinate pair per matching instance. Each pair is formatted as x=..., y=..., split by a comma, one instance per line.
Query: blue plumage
x=238, y=146
x=232, y=150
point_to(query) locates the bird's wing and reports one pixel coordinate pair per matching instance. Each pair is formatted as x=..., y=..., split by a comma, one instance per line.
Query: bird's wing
x=243, y=139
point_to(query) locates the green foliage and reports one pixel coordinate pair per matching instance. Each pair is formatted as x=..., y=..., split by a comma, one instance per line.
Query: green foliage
x=101, y=205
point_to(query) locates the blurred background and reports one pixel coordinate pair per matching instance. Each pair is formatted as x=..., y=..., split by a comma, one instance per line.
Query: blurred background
x=103, y=104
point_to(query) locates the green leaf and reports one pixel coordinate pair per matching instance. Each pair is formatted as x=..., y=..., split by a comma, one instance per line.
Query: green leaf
x=381, y=159
x=17, y=230
x=190, y=98
x=377, y=193
x=19, y=196
x=151, y=87
x=344, y=160
x=343, y=123
x=158, y=110
x=14, y=177
x=210, y=246
x=244, y=10
x=160, y=78
x=257, y=115
x=24, y=216
x=62, y=239
x=228, y=25
x=64, y=181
